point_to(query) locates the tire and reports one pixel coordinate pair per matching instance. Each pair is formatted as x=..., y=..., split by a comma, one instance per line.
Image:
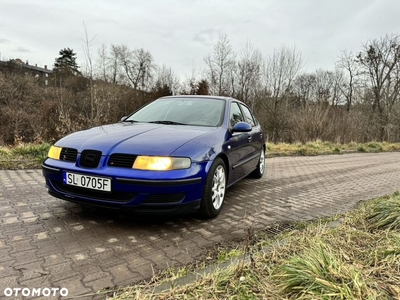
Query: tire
x=260, y=169
x=214, y=190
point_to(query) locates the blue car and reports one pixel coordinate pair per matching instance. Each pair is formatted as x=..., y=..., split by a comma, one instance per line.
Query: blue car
x=177, y=154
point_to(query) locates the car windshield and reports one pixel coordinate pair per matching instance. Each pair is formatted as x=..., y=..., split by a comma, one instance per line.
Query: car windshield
x=181, y=111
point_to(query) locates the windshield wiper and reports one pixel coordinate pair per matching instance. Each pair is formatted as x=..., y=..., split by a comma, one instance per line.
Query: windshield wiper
x=167, y=122
x=130, y=121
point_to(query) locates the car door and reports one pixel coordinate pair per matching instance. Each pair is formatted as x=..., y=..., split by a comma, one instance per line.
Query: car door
x=238, y=145
x=255, y=139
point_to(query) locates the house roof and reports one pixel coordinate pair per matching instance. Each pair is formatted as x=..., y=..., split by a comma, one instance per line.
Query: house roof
x=19, y=63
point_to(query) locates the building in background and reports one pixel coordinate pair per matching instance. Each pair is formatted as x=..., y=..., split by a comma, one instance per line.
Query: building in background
x=17, y=66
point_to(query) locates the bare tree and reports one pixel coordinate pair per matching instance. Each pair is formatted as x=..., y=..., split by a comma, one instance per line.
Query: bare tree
x=103, y=63
x=89, y=71
x=348, y=64
x=380, y=61
x=248, y=73
x=166, y=77
x=115, y=64
x=138, y=65
x=279, y=74
x=327, y=90
x=220, y=64
x=196, y=84
x=280, y=71
x=321, y=86
x=305, y=89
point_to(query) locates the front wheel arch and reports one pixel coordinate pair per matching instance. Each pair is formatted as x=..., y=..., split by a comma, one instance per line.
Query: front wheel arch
x=226, y=162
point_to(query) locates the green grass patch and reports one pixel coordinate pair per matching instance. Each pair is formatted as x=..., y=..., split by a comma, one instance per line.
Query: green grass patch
x=336, y=150
x=376, y=146
x=23, y=156
x=226, y=254
x=361, y=148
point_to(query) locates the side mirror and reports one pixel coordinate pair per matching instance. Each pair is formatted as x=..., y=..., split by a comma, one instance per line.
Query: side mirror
x=123, y=119
x=242, y=127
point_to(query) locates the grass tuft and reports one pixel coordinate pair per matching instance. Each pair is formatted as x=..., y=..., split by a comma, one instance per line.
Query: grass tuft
x=319, y=271
x=385, y=214
x=376, y=146
x=361, y=148
x=336, y=150
x=302, y=151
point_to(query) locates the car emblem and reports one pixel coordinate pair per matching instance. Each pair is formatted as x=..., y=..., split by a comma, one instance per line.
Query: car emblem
x=90, y=158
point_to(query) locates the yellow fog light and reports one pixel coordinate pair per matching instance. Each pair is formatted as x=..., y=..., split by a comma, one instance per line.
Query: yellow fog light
x=54, y=152
x=161, y=163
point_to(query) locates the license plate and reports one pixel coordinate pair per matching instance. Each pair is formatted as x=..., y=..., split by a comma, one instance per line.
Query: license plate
x=89, y=182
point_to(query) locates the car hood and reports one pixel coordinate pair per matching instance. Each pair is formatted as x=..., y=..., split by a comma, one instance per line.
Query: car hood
x=134, y=138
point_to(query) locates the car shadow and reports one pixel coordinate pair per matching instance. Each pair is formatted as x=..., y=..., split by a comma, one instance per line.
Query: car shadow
x=123, y=217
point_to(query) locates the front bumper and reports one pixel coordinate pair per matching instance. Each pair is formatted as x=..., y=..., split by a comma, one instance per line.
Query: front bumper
x=147, y=192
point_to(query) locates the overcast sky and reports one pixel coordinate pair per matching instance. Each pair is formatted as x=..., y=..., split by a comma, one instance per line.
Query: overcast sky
x=180, y=33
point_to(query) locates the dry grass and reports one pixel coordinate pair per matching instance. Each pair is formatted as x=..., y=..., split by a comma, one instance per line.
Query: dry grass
x=320, y=147
x=359, y=259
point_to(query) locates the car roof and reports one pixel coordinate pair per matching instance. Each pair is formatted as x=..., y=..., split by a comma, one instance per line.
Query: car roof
x=202, y=96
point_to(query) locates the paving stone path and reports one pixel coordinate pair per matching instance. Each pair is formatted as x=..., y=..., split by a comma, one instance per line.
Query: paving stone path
x=46, y=242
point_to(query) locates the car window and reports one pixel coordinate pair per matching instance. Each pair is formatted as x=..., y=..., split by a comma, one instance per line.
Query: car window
x=247, y=115
x=184, y=111
x=235, y=114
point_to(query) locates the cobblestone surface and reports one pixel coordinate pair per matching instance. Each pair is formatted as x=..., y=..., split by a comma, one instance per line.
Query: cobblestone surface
x=46, y=242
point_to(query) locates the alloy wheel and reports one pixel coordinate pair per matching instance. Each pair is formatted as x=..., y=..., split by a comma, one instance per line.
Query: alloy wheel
x=218, y=187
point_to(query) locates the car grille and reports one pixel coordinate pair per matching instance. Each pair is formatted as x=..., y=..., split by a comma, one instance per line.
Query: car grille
x=164, y=198
x=98, y=195
x=121, y=160
x=68, y=154
x=90, y=158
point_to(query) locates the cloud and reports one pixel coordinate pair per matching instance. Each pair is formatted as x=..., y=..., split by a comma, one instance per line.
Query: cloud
x=23, y=50
x=181, y=35
x=206, y=36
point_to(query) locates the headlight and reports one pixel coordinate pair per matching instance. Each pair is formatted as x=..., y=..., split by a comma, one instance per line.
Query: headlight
x=54, y=152
x=161, y=163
